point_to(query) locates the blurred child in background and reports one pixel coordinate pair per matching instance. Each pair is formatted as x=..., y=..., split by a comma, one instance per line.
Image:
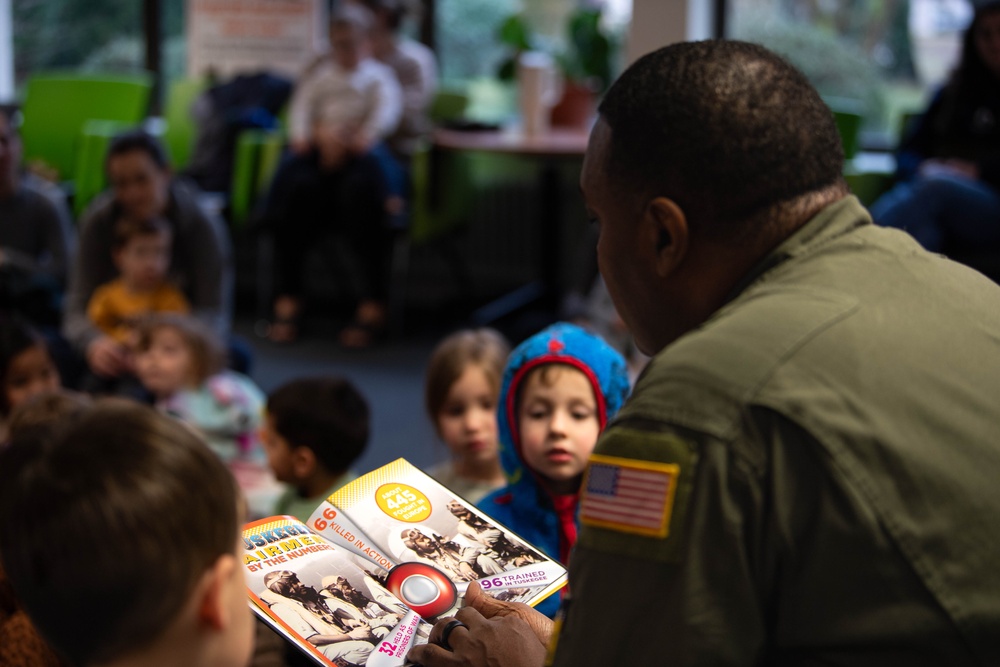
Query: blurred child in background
x=461, y=392
x=141, y=253
x=180, y=362
x=26, y=367
x=163, y=582
x=314, y=430
x=560, y=388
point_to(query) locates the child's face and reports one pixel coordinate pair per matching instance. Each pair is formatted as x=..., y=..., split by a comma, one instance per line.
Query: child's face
x=31, y=372
x=144, y=261
x=166, y=366
x=467, y=422
x=279, y=452
x=347, y=45
x=558, y=423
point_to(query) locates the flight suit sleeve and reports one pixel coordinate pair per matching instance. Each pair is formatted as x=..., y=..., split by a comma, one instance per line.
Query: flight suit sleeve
x=664, y=571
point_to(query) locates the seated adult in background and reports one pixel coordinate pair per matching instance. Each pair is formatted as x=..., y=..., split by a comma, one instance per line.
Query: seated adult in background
x=949, y=164
x=415, y=68
x=36, y=236
x=806, y=472
x=343, y=107
x=143, y=187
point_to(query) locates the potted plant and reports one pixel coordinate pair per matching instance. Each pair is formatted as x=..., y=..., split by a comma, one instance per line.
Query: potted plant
x=585, y=61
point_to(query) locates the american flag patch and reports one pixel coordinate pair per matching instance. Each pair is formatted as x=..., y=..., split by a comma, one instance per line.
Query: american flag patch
x=628, y=495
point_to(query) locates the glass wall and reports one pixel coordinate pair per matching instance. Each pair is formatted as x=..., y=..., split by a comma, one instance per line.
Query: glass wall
x=96, y=35
x=886, y=55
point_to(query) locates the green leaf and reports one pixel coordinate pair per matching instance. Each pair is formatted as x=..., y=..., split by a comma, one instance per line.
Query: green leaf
x=514, y=32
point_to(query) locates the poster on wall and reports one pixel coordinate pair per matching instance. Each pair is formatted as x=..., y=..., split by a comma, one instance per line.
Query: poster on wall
x=230, y=37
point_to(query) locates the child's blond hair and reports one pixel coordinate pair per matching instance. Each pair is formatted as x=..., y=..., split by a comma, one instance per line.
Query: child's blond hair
x=485, y=348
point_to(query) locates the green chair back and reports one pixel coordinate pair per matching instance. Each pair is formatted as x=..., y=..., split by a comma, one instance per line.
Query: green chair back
x=849, y=115
x=89, y=175
x=448, y=105
x=57, y=105
x=181, y=132
x=254, y=163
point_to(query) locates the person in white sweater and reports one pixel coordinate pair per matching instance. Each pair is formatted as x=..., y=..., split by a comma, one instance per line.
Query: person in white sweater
x=345, y=105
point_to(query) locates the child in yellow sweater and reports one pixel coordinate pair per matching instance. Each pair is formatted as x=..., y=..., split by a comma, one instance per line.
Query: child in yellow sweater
x=141, y=252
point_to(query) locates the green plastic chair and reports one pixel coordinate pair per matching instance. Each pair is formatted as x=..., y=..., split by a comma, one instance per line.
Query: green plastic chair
x=57, y=105
x=180, y=132
x=448, y=104
x=849, y=115
x=254, y=163
x=89, y=175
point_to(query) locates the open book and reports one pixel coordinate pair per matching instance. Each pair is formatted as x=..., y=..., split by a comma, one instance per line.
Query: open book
x=378, y=562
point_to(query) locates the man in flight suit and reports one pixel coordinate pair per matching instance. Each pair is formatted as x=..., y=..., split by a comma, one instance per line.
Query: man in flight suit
x=807, y=471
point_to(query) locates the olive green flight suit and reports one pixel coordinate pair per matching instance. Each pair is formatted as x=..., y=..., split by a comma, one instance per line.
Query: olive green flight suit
x=836, y=499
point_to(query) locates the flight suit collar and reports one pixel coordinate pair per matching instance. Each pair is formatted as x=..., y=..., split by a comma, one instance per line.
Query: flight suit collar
x=839, y=218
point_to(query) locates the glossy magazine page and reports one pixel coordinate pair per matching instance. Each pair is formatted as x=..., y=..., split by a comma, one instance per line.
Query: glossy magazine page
x=324, y=599
x=378, y=562
x=399, y=516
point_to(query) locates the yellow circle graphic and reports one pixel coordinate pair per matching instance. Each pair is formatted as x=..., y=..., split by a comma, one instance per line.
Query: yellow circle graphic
x=403, y=502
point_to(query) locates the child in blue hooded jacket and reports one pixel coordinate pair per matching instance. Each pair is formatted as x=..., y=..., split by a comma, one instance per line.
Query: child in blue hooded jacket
x=560, y=388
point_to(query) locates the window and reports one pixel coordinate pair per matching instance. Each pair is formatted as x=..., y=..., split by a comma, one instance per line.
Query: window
x=886, y=54
x=92, y=35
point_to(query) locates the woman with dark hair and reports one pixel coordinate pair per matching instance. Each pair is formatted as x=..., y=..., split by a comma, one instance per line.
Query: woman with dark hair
x=949, y=163
x=143, y=187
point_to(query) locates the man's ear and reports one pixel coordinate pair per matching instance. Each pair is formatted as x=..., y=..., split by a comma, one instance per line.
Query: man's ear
x=214, y=591
x=668, y=233
x=303, y=462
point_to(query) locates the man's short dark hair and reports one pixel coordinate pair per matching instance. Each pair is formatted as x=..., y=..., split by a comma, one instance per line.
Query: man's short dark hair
x=726, y=129
x=327, y=415
x=106, y=529
x=138, y=140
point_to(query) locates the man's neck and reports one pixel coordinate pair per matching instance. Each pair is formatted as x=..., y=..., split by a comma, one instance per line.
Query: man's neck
x=316, y=486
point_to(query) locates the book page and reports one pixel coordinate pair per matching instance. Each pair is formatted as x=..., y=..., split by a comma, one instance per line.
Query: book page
x=324, y=599
x=403, y=521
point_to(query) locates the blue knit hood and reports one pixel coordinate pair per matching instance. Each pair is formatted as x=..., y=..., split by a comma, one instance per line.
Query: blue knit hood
x=561, y=343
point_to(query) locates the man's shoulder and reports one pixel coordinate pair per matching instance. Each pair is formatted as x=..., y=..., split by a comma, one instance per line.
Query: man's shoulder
x=713, y=371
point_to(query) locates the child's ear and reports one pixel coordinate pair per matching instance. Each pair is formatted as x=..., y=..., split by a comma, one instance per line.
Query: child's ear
x=215, y=591
x=303, y=462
